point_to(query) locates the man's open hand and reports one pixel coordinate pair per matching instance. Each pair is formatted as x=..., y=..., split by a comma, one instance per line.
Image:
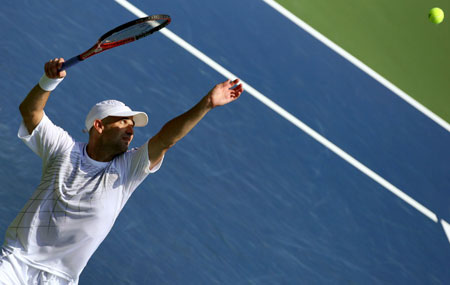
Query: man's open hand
x=225, y=93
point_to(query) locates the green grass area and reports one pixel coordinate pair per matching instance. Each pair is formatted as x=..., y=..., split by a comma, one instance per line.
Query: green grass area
x=394, y=38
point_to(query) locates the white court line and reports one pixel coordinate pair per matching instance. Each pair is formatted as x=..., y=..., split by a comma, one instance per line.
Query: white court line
x=358, y=63
x=446, y=227
x=272, y=105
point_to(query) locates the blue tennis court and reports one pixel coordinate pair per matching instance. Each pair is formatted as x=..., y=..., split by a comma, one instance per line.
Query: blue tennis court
x=247, y=197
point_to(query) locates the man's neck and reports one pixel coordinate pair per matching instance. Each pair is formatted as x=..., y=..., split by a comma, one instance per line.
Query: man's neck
x=96, y=152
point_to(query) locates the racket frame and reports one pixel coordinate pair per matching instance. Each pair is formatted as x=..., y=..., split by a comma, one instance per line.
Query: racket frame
x=99, y=46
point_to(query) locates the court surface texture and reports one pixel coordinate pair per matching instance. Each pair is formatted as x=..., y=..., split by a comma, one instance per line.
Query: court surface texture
x=318, y=174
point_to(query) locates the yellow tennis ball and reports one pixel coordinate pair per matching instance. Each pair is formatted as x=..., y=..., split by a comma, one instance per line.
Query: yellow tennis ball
x=436, y=15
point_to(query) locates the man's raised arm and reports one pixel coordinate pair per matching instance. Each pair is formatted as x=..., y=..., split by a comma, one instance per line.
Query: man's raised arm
x=180, y=126
x=32, y=107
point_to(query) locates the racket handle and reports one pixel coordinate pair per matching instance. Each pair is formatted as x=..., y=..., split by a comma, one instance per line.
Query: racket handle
x=71, y=62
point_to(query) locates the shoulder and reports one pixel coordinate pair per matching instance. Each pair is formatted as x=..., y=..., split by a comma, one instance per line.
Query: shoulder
x=127, y=156
x=133, y=159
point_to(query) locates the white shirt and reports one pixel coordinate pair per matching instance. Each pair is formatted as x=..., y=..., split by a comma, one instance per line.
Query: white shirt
x=76, y=203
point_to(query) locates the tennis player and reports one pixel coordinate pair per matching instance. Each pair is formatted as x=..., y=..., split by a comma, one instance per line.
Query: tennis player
x=84, y=186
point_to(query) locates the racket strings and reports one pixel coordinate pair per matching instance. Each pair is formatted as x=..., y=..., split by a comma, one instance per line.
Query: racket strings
x=134, y=31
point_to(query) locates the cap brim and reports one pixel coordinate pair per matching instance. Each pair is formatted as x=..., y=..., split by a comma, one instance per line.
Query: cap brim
x=140, y=118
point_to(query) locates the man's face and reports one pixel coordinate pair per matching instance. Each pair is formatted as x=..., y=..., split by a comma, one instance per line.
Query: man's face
x=117, y=133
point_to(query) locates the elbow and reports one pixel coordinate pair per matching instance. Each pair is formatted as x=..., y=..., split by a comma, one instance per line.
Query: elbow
x=24, y=110
x=21, y=108
x=166, y=145
x=27, y=112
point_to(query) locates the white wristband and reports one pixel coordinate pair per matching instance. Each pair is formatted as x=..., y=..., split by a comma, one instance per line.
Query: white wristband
x=49, y=84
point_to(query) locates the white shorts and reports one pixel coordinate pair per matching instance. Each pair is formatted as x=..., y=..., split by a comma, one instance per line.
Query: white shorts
x=15, y=272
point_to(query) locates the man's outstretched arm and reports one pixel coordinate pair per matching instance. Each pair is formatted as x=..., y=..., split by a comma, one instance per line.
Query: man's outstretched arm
x=177, y=128
x=32, y=107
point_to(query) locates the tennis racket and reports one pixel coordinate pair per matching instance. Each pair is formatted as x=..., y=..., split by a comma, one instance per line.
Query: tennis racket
x=123, y=34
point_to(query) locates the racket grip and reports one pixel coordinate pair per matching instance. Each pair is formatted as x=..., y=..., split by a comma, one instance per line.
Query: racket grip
x=71, y=62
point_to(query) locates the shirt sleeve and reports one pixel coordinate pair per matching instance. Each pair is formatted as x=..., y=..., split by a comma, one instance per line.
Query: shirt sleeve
x=47, y=139
x=137, y=167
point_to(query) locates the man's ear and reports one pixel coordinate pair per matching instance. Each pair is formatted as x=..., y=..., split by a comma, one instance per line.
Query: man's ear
x=98, y=126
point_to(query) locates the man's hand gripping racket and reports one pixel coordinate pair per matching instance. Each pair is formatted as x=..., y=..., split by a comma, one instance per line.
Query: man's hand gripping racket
x=123, y=34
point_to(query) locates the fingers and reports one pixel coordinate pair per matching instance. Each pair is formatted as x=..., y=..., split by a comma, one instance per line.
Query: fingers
x=238, y=88
x=51, y=68
x=225, y=92
x=236, y=91
x=231, y=83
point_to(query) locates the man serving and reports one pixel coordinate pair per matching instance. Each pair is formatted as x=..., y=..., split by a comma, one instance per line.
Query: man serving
x=84, y=186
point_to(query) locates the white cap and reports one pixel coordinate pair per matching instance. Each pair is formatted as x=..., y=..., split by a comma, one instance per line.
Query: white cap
x=114, y=108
